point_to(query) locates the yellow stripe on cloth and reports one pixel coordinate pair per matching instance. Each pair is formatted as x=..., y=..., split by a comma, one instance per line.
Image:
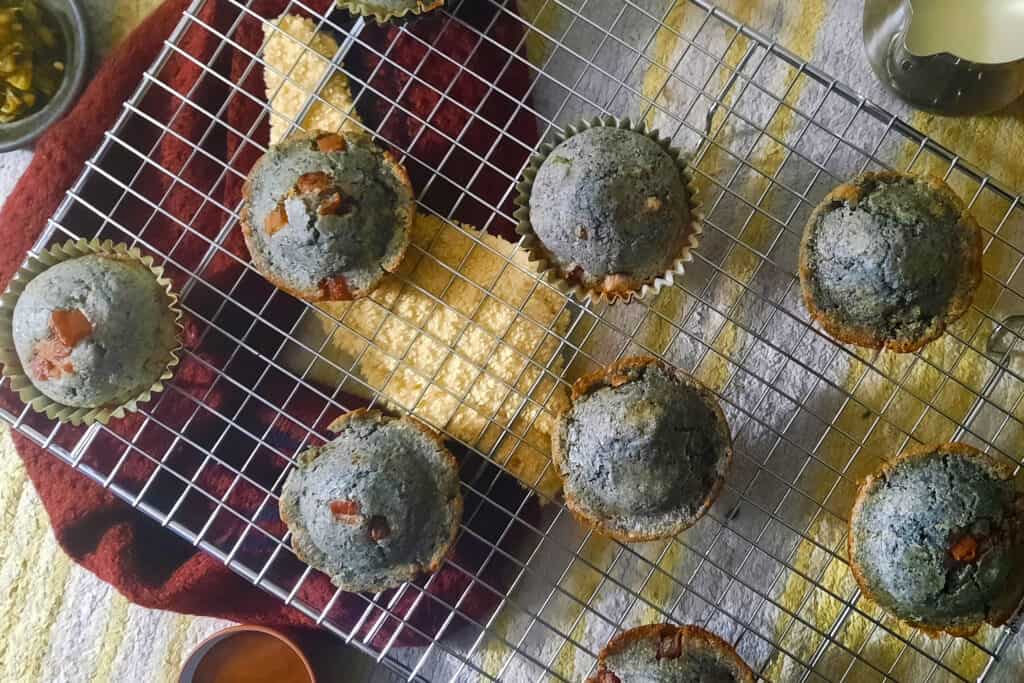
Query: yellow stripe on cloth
x=32, y=579
x=127, y=14
x=113, y=636
x=36, y=629
x=172, y=656
x=656, y=334
x=661, y=589
x=582, y=583
x=546, y=16
x=12, y=481
x=905, y=409
x=742, y=264
x=75, y=640
x=151, y=637
x=58, y=622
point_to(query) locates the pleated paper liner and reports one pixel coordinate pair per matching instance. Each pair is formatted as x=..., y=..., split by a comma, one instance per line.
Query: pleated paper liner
x=548, y=266
x=381, y=14
x=15, y=372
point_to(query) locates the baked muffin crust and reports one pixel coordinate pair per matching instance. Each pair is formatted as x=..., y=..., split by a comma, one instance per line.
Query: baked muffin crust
x=642, y=451
x=937, y=539
x=94, y=331
x=611, y=208
x=890, y=261
x=663, y=653
x=376, y=506
x=327, y=215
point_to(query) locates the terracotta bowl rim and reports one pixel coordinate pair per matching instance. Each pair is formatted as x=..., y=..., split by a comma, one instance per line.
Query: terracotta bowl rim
x=198, y=654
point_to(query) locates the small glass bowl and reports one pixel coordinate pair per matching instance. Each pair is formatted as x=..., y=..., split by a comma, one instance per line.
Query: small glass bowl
x=75, y=29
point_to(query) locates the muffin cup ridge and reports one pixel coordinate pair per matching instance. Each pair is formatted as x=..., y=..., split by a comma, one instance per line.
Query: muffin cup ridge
x=363, y=8
x=550, y=271
x=12, y=368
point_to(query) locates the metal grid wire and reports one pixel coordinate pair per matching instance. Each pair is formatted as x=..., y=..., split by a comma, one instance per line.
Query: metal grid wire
x=785, y=397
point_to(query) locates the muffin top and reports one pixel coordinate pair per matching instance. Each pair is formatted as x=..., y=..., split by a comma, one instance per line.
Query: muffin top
x=94, y=331
x=890, y=260
x=937, y=538
x=326, y=216
x=377, y=505
x=642, y=451
x=662, y=653
x=611, y=209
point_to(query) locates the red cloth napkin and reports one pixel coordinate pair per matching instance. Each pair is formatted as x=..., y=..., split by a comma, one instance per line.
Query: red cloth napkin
x=187, y=179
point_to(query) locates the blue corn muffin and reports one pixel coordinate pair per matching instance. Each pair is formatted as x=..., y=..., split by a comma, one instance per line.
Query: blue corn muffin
x=327, y=215
x=611, y=209
x=375, y=507
x=889, y=261
x=643, y=450
x=663, y=653
x=937, y=539
x=94, y=331
x=384, y=10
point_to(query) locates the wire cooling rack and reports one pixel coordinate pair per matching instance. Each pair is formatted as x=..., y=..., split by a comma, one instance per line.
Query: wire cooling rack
x=766, y=568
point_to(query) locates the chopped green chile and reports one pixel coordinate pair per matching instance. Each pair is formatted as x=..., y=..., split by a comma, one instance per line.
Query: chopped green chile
x=33, y=55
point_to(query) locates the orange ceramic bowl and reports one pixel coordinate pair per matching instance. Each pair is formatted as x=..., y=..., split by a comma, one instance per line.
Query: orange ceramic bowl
x=247, y=654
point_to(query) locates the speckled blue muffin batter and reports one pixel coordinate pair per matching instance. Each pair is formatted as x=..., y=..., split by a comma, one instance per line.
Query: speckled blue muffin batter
x=890, y=261
x=937, y=538
x=327, y=216
x=376, y=506
x=662, y=653
x=94, y=331
x=642, y=451
x=611, y=208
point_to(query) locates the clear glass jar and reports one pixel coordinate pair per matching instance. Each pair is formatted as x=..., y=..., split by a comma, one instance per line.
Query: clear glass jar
x=936, y=79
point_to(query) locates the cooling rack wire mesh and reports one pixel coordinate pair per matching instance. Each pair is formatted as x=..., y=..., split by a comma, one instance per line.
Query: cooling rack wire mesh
x=770, y=135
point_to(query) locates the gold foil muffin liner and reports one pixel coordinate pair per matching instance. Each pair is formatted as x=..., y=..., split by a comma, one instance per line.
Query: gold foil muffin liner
x=15, y=372
x=369, y=8
x=550, y=270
